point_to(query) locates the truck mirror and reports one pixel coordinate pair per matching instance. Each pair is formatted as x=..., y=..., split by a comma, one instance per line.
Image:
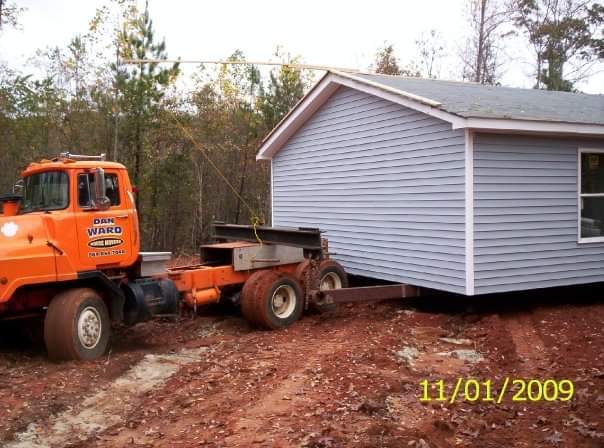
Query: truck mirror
x=18, y=187
x=100, y=200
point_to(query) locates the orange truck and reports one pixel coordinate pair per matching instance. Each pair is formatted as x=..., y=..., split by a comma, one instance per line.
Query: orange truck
x=70, y=251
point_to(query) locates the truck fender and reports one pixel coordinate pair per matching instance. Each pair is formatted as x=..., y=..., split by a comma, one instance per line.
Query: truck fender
x=110, y=291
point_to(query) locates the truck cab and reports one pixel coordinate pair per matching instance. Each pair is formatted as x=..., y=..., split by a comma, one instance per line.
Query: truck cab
x=66, y=225
x=69, y=244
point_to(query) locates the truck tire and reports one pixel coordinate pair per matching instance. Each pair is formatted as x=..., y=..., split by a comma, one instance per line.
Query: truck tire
x=276, y=300
x=332, y=276
x=77, y=325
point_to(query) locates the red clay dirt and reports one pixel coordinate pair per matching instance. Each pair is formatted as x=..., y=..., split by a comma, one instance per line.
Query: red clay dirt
x=349, y=377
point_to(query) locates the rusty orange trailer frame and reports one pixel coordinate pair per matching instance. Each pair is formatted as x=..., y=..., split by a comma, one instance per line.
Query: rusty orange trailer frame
x=199, y=284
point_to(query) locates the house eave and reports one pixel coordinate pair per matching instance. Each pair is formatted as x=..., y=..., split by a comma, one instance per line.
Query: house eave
x=321, y=92
x=531, y=126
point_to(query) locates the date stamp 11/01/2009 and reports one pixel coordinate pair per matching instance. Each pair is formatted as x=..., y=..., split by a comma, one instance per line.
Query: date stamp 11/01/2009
x=520, y=390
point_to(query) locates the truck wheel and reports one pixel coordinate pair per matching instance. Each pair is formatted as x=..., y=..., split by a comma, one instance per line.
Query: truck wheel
x=277, y=300
x=77, y=325
x=332, y=276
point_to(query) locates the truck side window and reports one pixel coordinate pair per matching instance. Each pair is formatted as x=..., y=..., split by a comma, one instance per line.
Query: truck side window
x=86, y=187
x=84, y=190
x=112, y=189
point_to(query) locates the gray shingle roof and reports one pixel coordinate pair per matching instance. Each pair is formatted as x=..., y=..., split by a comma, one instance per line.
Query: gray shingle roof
x=470, y=100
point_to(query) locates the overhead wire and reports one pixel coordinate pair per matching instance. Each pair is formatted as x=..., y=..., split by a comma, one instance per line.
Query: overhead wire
x=256, y=220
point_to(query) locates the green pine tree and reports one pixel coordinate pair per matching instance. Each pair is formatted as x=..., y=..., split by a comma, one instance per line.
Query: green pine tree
x=141, y=89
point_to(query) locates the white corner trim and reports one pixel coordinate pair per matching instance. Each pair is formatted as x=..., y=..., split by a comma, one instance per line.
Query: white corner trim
x=272, y=196
x=469, y=202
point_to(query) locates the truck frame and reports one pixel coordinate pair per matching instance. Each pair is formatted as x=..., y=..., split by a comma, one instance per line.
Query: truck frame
x=70, y=251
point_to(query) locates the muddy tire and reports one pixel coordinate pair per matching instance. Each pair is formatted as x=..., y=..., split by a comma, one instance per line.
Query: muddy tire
x=77, y=325
x=275, y=300
x=248, y=292
x=332, y=276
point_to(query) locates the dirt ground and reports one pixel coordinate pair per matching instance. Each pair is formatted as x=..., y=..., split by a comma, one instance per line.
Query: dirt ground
x=350, y=377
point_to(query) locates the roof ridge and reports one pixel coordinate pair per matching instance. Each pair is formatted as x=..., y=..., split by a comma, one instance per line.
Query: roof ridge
x=476, y=84
x=418, y=78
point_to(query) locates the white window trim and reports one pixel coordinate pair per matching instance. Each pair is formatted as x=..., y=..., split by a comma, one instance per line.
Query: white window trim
x=580, y=239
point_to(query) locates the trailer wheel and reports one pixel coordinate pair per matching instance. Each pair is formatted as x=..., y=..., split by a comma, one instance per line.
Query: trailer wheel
x=277, y=300
x=248, y=292
x=331, y=276
x=77, y=325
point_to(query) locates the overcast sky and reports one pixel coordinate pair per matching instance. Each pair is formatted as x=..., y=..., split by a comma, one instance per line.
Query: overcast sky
x=331, y=32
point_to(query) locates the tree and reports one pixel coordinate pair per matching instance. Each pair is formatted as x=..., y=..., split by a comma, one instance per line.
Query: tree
x=286, y=86
x=227, y=124
x=562, y=33
x=480, y=56
x=388, y=64
x=9, y=14
x=431, y=50
x=141, y=88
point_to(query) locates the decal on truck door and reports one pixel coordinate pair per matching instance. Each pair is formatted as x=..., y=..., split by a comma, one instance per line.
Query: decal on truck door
x=105, y=234
x=103, y=243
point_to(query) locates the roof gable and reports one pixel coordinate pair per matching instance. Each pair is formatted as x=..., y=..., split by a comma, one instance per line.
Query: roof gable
x=464, y=105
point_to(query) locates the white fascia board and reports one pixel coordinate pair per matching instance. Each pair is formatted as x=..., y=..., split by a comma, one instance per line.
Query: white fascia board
x=297, y=117
x=469, y=207
x=494, y=124
x=411, y=96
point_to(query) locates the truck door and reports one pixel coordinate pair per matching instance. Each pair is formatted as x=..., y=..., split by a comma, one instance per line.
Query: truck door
x=104, y=236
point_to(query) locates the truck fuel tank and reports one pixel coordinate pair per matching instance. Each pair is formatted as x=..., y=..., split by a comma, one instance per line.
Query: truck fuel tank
x=149, y=297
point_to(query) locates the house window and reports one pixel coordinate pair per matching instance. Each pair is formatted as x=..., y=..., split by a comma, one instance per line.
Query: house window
x=591, y=195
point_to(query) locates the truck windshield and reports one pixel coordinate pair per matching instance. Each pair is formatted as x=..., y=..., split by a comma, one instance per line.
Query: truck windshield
x=45, y=191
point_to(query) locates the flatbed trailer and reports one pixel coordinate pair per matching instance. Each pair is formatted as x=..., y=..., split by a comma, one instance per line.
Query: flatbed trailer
x=262, y=259
x=274, y=274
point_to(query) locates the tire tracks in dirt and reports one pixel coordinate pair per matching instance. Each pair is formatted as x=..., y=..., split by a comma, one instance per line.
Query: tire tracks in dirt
x=530, y=348
x=250, y=390
x=280, y=401
x=108, y=403
x=105, y=408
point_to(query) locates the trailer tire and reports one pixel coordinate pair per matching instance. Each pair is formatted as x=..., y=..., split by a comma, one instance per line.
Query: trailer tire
x=331, y=276
x=77, y=325
x=248, y=292
x=278, y=300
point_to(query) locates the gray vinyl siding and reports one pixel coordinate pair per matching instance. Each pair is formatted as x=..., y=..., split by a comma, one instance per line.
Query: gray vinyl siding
x=386, y=184
x=525, y=214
